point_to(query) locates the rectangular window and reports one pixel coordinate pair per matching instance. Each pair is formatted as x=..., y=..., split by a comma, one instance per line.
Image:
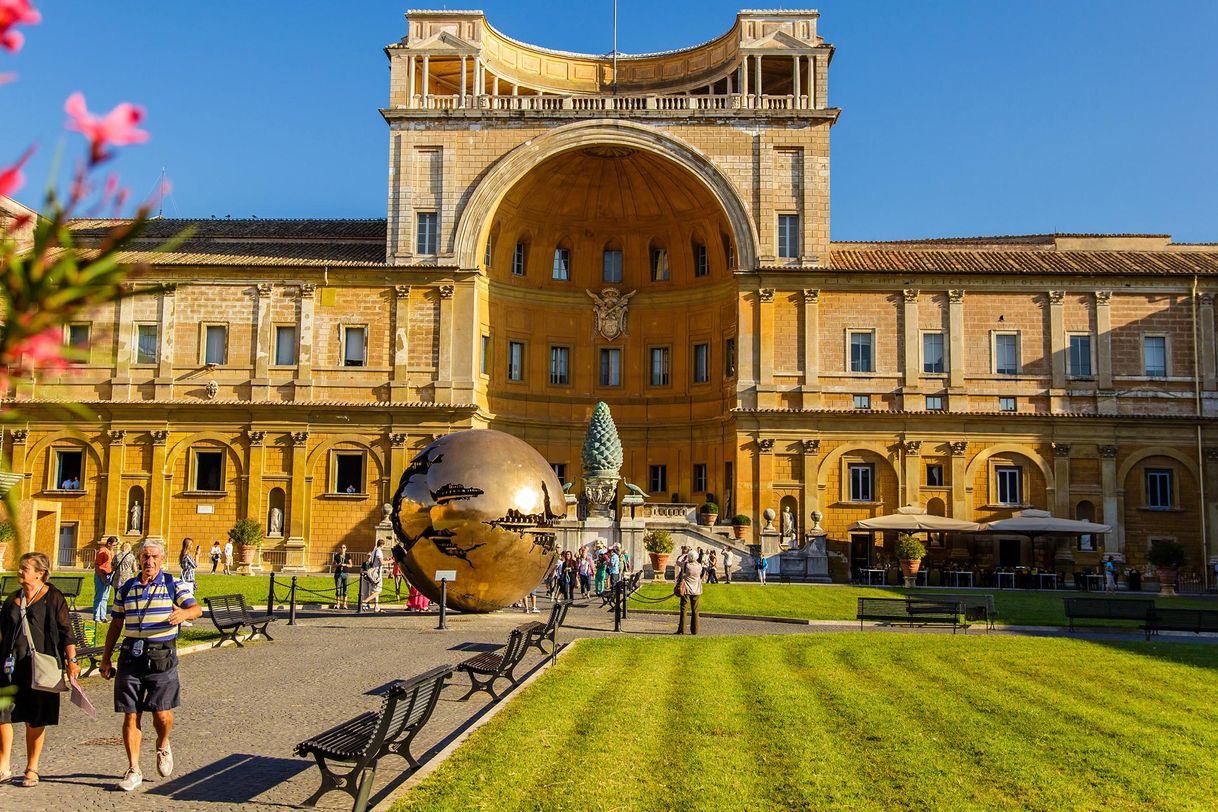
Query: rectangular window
x=934, y=475
x=934, y=362
x=862, y=482
x=560, y=471
x=658, y=478
x=427, y=237
x=1006, y=353
x=701, y=363
x=788, y=236
x=1154, y=356
x=1079, y=361
x=659, y=366
x=520, y=255
x=934, y=403
x=285, y=345
x=209, y=471
x=69, y=465
x=147, y=343
x=484, y=356
x=560, y=366
x=611, y=366
x=562, y=264
x=862, y=401
x=515, y=361
x=659, y=265
x=699, y=477
x=490, y=245
x=701, y=261
x=1159, y=488
x=729, y=358
x=862, y=351
x=348, y=472
x=1010, y=484
x=1006, y=404
x=355, y=346
x=215, y=344
x=76, y=336
x=611, y=270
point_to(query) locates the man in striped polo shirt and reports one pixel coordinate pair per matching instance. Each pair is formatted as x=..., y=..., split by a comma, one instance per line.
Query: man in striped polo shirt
x=148, y=610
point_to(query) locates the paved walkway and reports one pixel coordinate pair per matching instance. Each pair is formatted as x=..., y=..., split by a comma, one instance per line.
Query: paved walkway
x=245, y=709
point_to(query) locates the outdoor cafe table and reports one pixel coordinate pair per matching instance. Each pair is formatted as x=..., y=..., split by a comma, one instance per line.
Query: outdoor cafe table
x=999, y=576
x=1047, y=580
x=874, y=576
x=955, y=577
x=1095, y=581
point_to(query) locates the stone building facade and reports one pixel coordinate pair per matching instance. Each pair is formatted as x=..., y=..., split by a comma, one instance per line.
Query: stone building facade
x=654, y=233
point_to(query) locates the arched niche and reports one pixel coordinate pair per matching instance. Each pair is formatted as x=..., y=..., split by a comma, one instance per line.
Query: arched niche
x=276, y=501
x=135, y=518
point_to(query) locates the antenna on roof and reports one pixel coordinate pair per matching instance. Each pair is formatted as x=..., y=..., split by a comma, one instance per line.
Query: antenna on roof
x=160, y=194
x=615, y=47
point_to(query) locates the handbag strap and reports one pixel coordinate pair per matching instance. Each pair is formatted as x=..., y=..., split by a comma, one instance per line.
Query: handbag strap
x=24, y=607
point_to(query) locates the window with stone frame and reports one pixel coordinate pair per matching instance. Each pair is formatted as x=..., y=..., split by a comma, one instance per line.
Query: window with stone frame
x=1160, y=489
x=1008, y=480
x=427, y=234
x=610, y=366
x=861, y=479
x=657, y=478
x=208, y=470
x=349, y=468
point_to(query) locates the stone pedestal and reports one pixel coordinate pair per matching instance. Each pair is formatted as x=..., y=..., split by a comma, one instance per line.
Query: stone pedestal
x=601, y=492
x=809, y=564
x=294, y=555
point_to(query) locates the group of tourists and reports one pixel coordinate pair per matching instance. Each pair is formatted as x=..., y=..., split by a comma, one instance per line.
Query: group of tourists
x=38, y=648
x=371, y=581
x=595, y=568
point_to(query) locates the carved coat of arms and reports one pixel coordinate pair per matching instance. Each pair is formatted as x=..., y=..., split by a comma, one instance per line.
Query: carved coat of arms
x=609, y=311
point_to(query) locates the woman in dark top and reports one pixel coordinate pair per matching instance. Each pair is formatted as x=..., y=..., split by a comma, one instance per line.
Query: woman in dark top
x=51, y=631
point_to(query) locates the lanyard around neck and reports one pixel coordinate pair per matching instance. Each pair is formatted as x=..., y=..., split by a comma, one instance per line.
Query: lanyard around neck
x=23, y=603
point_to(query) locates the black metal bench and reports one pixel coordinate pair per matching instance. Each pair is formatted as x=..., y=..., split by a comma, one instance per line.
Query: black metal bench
x=974, y=607
x=362, y=741
x=69, y=585
x=536, y=632
x=1108, y=609
x=256, y=621
x=911, y=611
x=230, y=612
x=83, y=652
x=1181, y=620
x=631, y=583
x=492, y=665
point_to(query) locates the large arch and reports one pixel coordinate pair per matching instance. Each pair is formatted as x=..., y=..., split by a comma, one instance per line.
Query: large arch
x=171, y=457
x=1030, y=453
x=476, y=218
x=1190, y=464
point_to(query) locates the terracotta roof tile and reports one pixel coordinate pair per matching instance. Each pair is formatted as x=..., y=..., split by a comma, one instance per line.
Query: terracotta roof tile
x=1204, y=263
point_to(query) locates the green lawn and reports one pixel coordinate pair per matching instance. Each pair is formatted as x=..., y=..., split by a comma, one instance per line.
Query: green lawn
x=1016, y=608
x=855, y=721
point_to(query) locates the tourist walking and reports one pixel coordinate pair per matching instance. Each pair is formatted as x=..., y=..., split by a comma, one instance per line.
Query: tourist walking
x=417, y=601
x=615, y=566
x=188, y=561
x=373, y=575
x=1109, y=575
x=34, y=619
x=585, y=568
x=103, y=573
x=148, y=610
x=762, y=565
x=602, y=569
x=712, y=561
x=568, y=576
x=228, y=557
x=125, y=566
x=339, y=562
x=215, y=556
x=398, y=577
x=689, y=589
x=729, y=560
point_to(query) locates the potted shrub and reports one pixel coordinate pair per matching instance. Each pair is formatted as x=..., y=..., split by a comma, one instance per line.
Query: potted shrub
x=740, y=525
x=7, y=534
x=708, y=514
x=247, y=535
x=910, y=552
x=1167, y=557
x=658, y=544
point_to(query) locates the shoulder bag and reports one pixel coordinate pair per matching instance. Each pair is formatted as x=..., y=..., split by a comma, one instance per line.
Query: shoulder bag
x=680, y=590
x=48, y=672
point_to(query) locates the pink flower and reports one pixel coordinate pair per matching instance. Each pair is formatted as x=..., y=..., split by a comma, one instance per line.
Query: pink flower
x=43, y=351
x=13, y=13
x=12, y=179
x=117, y=127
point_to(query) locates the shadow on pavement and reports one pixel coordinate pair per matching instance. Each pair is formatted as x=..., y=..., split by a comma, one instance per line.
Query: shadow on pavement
x=238, y=778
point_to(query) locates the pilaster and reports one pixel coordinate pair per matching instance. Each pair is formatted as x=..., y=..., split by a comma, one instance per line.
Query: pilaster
x=254, y=465
x=115, y=505
x=263, y=341
x=1211, y=506
x=159, y=484
x=811, y=349
x=911, y=472
x=765, y=349
x=164, y=369
x=17, y=459
x=910, y=354
x=120, y=387
x=444, y=376
x=1114, y=499
x=1105, y=395
x=399, y=377
x=957, y=400
x=1057, y=351
x=1061, y=480
x=809, y=495
x=303, y=385
x=961, y=509
x=1205, y=315
x=295, y=532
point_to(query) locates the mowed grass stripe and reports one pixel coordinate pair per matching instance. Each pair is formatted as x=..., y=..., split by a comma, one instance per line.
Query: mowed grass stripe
x=849, y=720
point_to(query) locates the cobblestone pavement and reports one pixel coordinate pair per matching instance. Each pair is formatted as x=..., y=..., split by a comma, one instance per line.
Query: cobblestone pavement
x=245, y=709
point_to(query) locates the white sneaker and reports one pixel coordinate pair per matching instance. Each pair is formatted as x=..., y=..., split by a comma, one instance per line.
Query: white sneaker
x=164, y=762
x=131, y=780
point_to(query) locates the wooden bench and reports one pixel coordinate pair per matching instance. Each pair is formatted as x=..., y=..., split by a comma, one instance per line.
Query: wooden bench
x=359, y=743
x=84, y=652
x=492, y=665
x=1108, y=609
x=536, y=632
x=911, y=611
x=974, y=607
x=1181, y=620
x=230, y=612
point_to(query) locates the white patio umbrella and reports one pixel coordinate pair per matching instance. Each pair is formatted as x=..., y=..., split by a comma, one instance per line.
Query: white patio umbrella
x=915, y=519
x=1033, y=523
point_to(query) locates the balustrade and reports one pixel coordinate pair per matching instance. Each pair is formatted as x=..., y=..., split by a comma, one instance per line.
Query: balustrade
x=546, y=103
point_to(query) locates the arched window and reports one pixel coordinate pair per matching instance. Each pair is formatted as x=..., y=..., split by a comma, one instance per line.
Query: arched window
x=659, y=262
x=520, y=257
x=729, y=252
x=611, y=262
x=562, y=262
x=700, y=257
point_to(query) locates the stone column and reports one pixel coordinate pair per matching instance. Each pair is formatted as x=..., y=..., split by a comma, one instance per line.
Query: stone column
x=763, y=483
x=115, y=506
x=303, y=385
x=463, y=83
x=294, y=531
x=255, y=465
x=765, y=348
x=812, y=90
x=757, y=78
x=164, y=371
x=410, y=83
x=426, y=78
x=1205, y=315
x=1061, y=497
x=399, y=376
x=399, y=458
x=795, y=94
x=744, y=76
x=957, y=400
x=19, y=450
x=160, y=485
x=1106, y=402
x=1114, y=501
x=911, y=472
x=1057, y=351
x=260, y=388
x=961, y=509
x=812, y=390
x=913, y=371
x=809, y=495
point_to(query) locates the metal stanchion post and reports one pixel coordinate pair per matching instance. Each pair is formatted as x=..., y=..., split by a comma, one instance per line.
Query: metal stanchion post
x=617, y=606
x=292, y=603
x=359, y=594
x=625, y=599
x=270, y=596
x=443, y=605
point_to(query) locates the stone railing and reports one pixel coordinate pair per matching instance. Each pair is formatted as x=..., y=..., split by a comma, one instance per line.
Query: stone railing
x=671, y=510
x=733, y=102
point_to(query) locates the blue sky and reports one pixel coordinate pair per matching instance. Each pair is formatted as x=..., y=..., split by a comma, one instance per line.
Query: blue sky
x=959, y=118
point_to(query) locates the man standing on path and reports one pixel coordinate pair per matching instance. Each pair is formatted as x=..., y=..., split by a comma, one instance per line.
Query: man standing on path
x=103, y=569
x=148, y=610
x=729, y=561
x=228, y=557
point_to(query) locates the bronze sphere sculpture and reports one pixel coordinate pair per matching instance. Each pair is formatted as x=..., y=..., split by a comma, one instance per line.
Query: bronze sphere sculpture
x=480, y=503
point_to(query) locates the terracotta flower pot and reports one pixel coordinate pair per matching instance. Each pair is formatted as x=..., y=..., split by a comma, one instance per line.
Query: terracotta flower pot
x=659, y=561
x=910, y=567
x=708, y=519
x=247, y=553
x=740, y=530
x=1167, y=580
